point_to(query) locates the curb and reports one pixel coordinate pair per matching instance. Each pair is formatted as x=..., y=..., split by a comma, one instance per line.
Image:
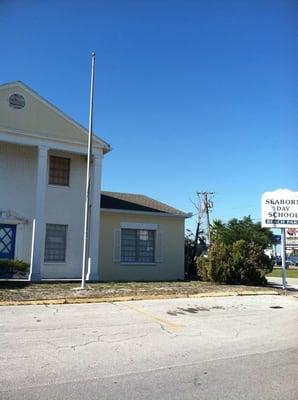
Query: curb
x=82, y=300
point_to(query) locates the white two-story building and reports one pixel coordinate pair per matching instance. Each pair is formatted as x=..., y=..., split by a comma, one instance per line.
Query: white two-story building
x=42, y=177
x=43, y=159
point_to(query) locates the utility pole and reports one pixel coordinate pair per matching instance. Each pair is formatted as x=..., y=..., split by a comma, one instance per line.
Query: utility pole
x=207, y=205
x=192, y=254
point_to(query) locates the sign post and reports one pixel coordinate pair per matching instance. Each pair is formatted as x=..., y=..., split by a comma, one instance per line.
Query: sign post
x=280, y=210
x=276, y=241
x=283, y=258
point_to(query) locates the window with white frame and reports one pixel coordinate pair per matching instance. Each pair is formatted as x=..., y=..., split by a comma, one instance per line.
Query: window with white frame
x=59, y=171
x=55, y=245
x=137, y=246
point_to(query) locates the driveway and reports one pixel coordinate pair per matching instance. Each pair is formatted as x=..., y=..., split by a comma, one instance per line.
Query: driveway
x=211, y=348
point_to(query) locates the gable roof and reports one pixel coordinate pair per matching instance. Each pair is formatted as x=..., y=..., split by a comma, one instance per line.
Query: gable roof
x=19, y=84
x=138, y=202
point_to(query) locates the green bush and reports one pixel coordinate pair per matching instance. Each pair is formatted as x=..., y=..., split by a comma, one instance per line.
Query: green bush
x=240, y=262
x=14, y=266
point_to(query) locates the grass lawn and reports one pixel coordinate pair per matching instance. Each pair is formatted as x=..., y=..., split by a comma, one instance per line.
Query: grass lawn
x=291, y=273
x=11, y=291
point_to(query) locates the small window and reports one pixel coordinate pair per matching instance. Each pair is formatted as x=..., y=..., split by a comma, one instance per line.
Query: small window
x=137, y=245
x=55, y=246
x=17, y=101
x=59, y=171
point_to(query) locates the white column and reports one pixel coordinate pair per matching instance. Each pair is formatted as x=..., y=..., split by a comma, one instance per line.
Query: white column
x=95, y=217
x=40, y=196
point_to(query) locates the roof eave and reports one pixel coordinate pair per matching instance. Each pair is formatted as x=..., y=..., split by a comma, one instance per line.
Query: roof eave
x=152, y=213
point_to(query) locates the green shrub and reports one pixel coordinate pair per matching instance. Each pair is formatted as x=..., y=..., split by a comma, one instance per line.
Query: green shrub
x=241, y=262
x=14, y=266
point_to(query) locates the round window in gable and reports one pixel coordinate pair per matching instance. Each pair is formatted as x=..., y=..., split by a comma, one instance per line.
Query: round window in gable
x=17, y=101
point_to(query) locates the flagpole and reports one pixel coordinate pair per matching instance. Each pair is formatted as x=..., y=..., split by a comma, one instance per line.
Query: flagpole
x=88, y=179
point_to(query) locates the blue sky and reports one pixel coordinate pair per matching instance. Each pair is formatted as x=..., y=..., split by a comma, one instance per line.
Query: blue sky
x=192, y=95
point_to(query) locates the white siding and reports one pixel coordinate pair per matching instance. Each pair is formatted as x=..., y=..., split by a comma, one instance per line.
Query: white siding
x=17, y=185
x=64, y=205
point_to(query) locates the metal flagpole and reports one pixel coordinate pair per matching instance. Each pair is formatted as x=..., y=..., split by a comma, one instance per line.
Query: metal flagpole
x=88, y=180
x=32, y=249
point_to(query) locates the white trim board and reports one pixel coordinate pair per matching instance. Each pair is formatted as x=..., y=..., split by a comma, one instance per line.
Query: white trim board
x=138, y=225
x=24, y=133
x=24, y=140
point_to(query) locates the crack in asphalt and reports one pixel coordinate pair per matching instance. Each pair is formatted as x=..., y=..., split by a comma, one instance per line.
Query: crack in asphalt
x=163, y=327
x=237, y=332
x=164, y=324
x=55, y=309
x=99, y=339
x=161, y=324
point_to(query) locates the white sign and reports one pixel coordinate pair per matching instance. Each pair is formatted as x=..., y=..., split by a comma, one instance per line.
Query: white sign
x=280, y=209
x=292, y=237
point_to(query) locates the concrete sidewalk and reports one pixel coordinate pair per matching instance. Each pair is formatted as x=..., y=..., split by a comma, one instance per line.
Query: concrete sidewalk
x=292, y=283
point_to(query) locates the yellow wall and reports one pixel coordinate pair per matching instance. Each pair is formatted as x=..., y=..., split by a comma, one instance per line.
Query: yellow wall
x=172, y=265
x=37, y=118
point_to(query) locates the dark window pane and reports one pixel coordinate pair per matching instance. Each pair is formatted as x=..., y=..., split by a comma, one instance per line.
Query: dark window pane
x=55, y=245
x=59, y=171
x=137, y=245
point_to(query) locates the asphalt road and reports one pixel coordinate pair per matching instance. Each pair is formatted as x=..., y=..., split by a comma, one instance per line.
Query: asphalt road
x=216, y=348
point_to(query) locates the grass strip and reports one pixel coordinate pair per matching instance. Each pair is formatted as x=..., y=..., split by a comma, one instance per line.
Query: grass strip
x=11, y=292
x=277, y=273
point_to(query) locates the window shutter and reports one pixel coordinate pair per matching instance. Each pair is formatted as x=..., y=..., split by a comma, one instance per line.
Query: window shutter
x=159, y=247
x=117, y=245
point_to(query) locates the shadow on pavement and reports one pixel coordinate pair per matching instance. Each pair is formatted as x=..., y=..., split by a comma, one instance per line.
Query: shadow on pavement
x=289, y=288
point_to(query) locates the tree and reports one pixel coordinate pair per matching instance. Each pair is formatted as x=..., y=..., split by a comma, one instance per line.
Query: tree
x=244, y=229
x=195, y=245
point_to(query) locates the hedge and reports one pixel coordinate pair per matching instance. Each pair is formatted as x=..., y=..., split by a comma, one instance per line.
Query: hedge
x=14, y=266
